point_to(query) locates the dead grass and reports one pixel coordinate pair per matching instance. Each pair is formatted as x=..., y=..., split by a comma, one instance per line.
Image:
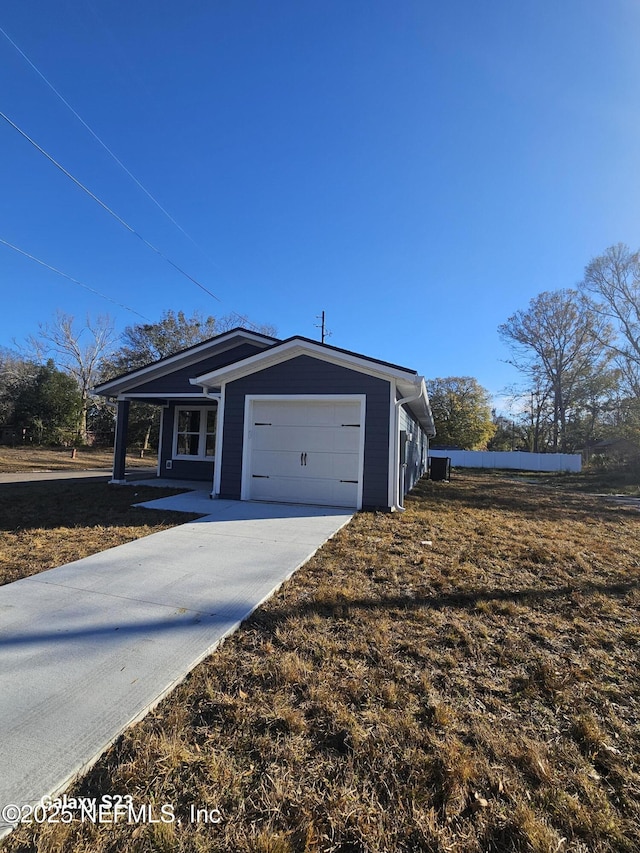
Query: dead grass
x=594, y=480
x=20, y=459
x=478, y=694
x=47, y=524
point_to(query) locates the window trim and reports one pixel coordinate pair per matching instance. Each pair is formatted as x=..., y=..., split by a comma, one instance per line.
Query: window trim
x=202, y=434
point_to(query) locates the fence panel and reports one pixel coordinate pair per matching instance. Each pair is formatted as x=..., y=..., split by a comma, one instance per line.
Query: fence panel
x=517, y=460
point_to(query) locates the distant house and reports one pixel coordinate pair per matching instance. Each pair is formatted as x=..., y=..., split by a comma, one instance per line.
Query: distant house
x=283, y=420
x=13, y=435
x=618, y=450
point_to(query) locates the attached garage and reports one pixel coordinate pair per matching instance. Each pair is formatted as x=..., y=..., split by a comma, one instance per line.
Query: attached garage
x=294, y=421
x=304, y=450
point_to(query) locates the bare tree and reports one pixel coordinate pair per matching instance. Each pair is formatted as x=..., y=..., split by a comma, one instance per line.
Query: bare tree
x=145, y=343
x=612, y=283
x=78, y=351
x=558, y=342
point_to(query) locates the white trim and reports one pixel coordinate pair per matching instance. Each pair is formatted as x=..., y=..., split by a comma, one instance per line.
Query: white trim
x=245, y=485
x=202, y=434
x=399, y=404
x=409, y=383
x=189, y=395
x=217, y=467
x=292, y=349
x=393, y=472
x=162, y=367
x=163, y=412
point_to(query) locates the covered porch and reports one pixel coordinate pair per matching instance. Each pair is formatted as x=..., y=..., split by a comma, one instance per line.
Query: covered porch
x=187, y=443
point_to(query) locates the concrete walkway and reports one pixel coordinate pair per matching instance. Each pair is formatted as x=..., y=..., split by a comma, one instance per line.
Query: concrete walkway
x=88, y=648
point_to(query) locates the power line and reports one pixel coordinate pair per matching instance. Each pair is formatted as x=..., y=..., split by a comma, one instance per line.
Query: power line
x=70, y=278
x=138, y=183
x=105, y=206
x=242, y=318
x=102, y=143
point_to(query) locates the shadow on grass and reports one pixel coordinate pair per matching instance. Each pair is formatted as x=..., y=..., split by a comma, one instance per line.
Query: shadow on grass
x=227, y=618
x=442, y=601
x=85, y=502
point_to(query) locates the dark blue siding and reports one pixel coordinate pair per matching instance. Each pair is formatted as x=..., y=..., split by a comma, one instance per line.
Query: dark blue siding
x=178, y=381
x=307, y=375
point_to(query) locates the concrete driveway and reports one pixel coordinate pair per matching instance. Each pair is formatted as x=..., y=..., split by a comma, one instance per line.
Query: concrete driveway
x=88, y=648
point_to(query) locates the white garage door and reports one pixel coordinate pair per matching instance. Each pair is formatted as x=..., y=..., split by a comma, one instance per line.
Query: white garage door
x=306, y=451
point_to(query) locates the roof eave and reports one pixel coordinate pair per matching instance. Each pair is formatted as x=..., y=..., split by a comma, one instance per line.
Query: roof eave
x=120, y=384
x=295, y=346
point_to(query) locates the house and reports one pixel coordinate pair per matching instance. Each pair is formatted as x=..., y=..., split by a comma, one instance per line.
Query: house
x=282, y=420
x=617, y=450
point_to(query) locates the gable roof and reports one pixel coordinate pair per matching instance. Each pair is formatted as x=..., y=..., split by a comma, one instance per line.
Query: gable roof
x=182, y=358
x=408, y=383
x=410, y=386
x=297, y=345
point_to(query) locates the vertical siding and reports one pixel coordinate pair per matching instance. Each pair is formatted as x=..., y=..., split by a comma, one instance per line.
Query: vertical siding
x=306, y=375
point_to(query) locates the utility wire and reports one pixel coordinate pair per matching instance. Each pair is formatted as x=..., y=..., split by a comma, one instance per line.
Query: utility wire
x=105, y=206
x=70, y=278
x=101, y=142
x=244, y=320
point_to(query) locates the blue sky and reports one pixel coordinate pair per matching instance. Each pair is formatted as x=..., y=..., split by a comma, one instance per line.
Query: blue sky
x=418, y=170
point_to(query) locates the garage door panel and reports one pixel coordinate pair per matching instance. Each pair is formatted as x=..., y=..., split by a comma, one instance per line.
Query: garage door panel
x=305, y=451
x=275, y=463
x=311, y=490
x=336, y=466
x=301, y=438
x=279, y=414
x=322, y=413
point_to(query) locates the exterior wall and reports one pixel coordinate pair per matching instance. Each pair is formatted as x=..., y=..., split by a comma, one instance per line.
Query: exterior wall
x=517, y=460
x=178, y=381
x=416, y=450
x=181, y=469
x=306, y=375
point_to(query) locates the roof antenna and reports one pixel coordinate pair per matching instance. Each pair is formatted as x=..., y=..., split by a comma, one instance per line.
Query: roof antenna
x=325, y=333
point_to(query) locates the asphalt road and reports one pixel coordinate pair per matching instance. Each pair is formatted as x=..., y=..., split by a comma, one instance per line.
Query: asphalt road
x=95, y=473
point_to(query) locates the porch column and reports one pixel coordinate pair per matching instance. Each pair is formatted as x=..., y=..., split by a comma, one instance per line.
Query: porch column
x=120, y=444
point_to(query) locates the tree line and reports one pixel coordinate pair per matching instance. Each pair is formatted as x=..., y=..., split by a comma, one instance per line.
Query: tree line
x=46, y=385
x=578, y=350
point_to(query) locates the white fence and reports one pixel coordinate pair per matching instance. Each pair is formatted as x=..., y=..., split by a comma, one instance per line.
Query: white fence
x=516, y=459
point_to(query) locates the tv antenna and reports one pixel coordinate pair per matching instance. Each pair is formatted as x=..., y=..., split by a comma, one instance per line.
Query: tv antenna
x=324, y=332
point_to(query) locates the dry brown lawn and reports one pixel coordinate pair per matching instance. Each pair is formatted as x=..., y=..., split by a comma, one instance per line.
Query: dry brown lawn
x=462, y=677
x=47, y=524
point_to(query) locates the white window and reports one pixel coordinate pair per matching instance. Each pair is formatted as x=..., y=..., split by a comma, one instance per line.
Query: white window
x=194, y=435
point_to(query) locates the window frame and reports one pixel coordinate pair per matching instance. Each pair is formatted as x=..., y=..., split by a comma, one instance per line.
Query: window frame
x=202, y=434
